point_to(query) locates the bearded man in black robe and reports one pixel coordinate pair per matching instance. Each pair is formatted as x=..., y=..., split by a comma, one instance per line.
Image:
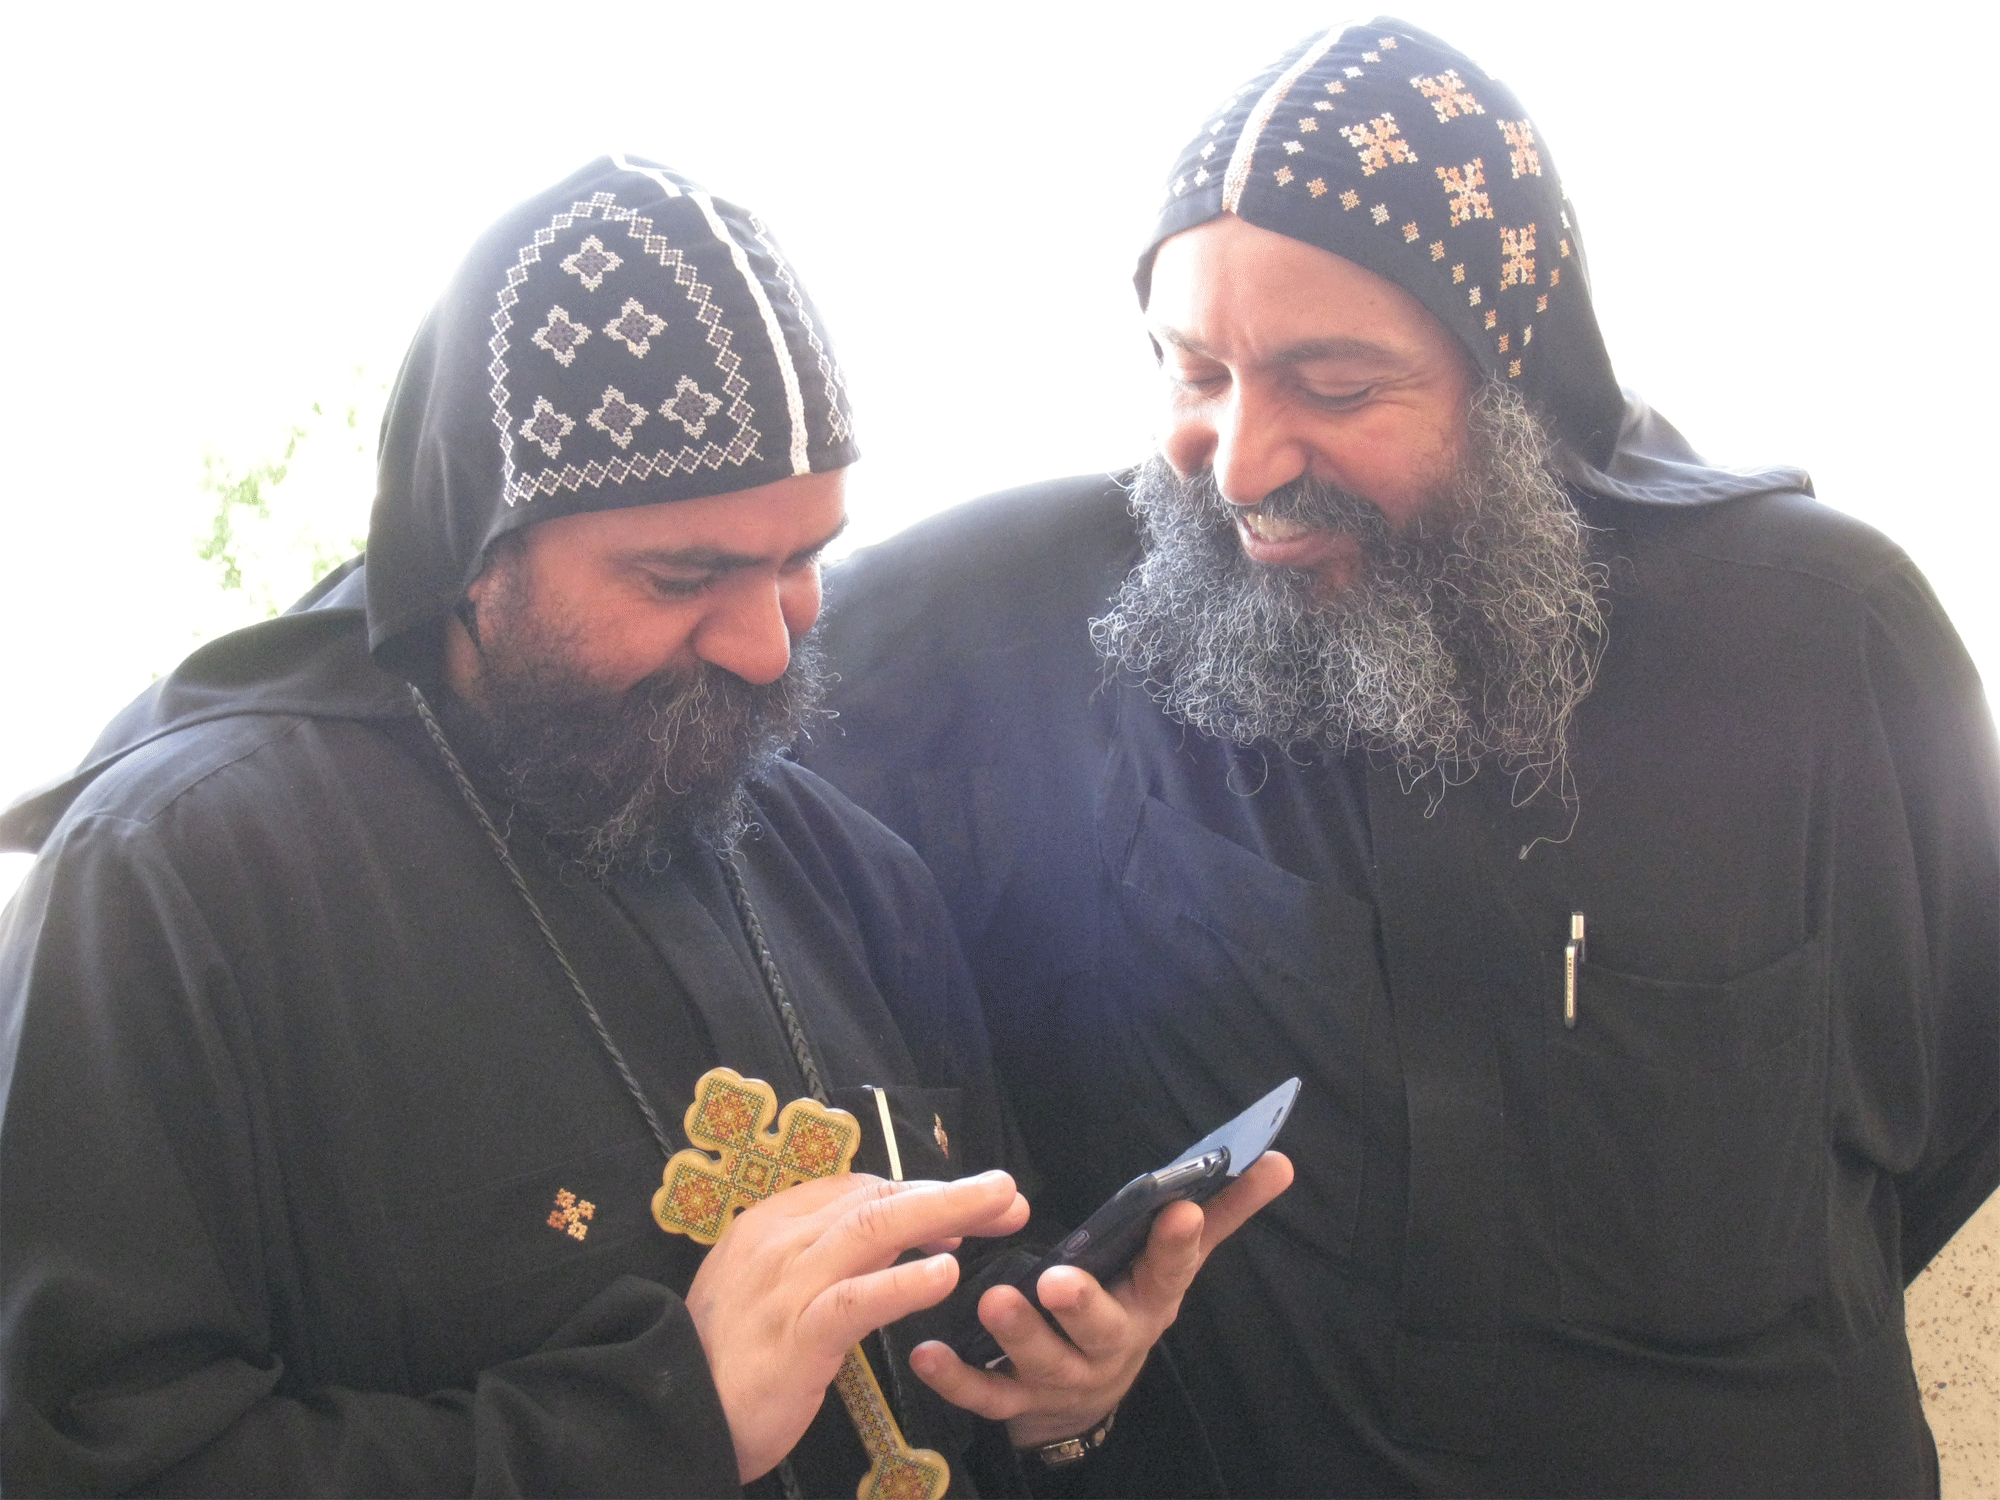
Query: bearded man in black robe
x=1611, y=841
x=373, y=958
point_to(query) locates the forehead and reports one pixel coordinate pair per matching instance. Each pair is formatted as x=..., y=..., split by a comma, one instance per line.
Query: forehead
x=771, y=521
x=1237, y=292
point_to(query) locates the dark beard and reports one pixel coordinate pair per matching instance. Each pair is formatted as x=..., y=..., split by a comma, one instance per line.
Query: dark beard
x=622, y=781
x=1473, y=632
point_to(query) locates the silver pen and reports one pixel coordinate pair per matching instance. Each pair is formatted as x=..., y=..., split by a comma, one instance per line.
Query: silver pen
x=1572, y=956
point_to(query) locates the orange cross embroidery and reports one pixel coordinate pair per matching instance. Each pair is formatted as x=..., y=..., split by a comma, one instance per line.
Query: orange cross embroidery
x=1448, y=96
x=1517, y=265
x=1463, y=186
x=1378, y=143
x=572, y=1214
x=1520, y=138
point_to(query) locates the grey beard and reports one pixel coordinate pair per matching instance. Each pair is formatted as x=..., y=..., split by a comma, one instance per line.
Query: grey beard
x=1474, y=632
x=620, y=782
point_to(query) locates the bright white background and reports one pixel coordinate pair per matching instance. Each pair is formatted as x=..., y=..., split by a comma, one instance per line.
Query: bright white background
x=217, y=216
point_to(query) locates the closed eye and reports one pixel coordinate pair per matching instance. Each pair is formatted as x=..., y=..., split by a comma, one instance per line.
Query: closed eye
x=680, y=588
x=1202, y=379
x=1341, y=400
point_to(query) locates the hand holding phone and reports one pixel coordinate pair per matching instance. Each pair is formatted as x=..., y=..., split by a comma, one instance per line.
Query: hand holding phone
x=1109, y=1241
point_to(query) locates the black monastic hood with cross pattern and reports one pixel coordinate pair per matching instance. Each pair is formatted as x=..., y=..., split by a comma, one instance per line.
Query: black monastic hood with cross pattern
x=619, y=339
x=1393, y=150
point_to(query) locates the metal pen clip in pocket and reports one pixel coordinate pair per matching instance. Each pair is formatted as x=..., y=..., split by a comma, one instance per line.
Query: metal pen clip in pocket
x=1572, y=956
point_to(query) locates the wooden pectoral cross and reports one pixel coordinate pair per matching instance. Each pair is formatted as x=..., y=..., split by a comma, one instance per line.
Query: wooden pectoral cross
x=699, y=1195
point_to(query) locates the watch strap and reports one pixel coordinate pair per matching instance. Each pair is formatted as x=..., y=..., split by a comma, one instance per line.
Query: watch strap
x=1072, y=1449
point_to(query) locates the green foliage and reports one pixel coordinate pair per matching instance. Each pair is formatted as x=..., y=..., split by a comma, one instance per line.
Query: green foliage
x=278, y=525
x=240, y=492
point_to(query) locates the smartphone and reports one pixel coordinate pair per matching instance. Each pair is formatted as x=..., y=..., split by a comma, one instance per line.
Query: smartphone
x=1107, y=1242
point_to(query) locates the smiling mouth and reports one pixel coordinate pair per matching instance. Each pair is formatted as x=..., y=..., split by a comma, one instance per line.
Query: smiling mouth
x=1271, y=528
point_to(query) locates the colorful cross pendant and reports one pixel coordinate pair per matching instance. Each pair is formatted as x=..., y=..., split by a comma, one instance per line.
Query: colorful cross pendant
x=732, y=1116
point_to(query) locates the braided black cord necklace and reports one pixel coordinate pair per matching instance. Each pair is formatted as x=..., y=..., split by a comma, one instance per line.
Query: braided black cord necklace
x=739, y=897
x=746, y=914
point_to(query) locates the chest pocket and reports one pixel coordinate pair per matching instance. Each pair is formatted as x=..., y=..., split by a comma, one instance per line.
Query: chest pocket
x=1688, y=1136
x=1237, y=974
x=930, y=1145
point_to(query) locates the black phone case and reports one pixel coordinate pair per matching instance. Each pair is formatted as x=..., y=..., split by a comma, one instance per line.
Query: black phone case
x=1109, y=1241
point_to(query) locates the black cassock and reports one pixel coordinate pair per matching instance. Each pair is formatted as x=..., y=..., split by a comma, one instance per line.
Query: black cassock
x=1660, y=1252
x=300, y=1109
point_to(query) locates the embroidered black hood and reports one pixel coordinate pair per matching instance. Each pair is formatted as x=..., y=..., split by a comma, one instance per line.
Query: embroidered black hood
x=1391, y=149
x=620, y=339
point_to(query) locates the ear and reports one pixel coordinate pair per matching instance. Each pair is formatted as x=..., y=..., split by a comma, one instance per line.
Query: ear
x=477, y=595
x=461, y=653
x=480, y=590
x=466, y=612
x=503, y=554
x=463, y=649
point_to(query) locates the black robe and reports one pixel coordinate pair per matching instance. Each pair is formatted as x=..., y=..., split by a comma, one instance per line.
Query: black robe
x=1659, y=1253
x=299, y=1109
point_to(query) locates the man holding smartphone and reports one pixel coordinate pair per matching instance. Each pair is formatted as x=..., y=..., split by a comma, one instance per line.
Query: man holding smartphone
x=1609, y=840
x=376, y=958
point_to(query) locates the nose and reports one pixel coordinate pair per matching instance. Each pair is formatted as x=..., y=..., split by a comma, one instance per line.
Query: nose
x=755, y=620
x=1244, y=440
x=1254, y=451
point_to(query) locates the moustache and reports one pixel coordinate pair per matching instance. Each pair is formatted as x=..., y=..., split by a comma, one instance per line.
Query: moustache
x=1305, y=501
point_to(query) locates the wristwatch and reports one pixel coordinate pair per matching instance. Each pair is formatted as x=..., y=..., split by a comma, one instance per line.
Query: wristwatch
x=1069, y=1450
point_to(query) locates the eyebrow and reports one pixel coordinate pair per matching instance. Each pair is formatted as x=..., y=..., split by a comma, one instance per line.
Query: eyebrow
x=1303, y=352
x=720, y=560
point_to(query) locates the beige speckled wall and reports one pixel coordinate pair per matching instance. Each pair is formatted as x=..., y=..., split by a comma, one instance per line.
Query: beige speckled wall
x=1953, y=1311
